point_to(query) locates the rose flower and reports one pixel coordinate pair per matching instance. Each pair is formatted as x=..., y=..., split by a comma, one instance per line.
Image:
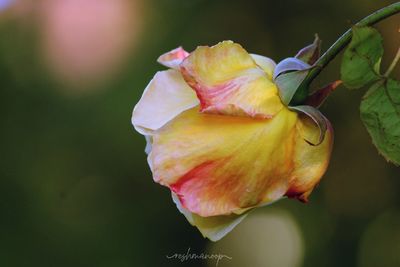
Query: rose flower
x=220, y=138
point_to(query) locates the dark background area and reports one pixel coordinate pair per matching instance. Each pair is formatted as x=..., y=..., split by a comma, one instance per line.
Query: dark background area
x=75, y=188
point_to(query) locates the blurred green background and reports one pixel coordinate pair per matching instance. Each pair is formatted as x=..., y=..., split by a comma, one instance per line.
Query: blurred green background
x=75, y=188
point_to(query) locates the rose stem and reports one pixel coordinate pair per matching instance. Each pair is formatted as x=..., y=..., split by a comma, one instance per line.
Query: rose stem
x=339, y=45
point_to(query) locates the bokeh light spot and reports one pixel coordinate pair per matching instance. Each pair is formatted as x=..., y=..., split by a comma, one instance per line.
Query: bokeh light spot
x=380, y=243
x=84, y=42
x=265, y=238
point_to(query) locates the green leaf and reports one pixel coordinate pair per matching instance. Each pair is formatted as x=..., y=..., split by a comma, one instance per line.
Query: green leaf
x=380, y=112
x=362, y=58
x=319, y=120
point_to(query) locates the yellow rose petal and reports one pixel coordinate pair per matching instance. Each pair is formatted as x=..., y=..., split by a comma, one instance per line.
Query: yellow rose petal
x=228, y=81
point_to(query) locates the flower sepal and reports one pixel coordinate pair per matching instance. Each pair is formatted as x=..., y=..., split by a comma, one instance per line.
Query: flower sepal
x=311, y=53
x=290, y=73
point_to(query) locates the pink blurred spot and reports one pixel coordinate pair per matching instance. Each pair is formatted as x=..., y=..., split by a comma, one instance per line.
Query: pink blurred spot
x=84, y=41
x=5, y=3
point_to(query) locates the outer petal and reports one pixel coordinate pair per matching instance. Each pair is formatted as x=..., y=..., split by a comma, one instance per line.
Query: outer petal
x=228, y=81
x=173, y=58
x=215, y=227
x=219, y=165
x=166, y=96
x=310, y=161
x=267, y=64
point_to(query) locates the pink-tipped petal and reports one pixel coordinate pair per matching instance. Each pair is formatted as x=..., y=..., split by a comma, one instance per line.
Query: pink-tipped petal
x=219, y=165
x=173, y=58
x=228, y=81
x=310, y=161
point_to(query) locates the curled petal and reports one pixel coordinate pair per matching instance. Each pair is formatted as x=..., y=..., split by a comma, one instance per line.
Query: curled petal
x=166, y=96
x=310, y=161
x=318, y=118
x=228, y=81
x=173, y=58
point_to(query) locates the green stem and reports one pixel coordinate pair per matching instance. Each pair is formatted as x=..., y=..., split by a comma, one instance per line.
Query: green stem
x=339, y=45
x=394, y=63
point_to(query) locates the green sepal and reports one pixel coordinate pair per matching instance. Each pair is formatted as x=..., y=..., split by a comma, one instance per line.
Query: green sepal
x=289, y=83
x=317, y=98
x=311, y=53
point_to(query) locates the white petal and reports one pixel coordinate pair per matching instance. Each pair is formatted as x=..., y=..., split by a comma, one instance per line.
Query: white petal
x=166, y=96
